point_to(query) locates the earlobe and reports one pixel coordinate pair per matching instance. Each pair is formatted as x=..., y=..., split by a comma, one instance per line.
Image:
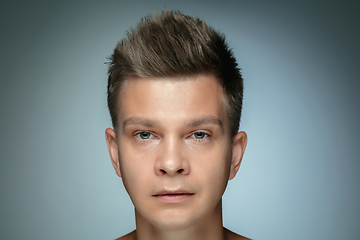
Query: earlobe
x=238, y=149
x=112, y=145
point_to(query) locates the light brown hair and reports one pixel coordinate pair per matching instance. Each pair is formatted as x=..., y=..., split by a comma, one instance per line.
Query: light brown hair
x=171, y=44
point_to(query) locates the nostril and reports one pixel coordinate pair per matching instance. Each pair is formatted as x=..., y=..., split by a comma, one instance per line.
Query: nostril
x=180, y=170
x=162, y=170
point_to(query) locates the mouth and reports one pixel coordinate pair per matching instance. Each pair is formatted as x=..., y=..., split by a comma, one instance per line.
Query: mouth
x=173, y=196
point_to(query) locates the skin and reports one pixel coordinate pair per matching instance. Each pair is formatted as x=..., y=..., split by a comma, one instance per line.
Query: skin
x=175, y=156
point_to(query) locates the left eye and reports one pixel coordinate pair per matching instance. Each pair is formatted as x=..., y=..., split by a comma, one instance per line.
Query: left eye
x=200, y=135
x=144, y=135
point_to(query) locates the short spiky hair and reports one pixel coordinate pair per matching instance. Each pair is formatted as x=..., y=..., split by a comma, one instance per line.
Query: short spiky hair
x=171, y=44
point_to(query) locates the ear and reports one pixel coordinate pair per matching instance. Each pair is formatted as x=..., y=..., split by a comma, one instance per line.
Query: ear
x=112, y=145
x=238, y=149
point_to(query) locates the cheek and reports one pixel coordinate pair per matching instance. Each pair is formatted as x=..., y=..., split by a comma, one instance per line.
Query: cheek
x=133, y=160
x=135, y=170
x=213, y=171
x=136, y=182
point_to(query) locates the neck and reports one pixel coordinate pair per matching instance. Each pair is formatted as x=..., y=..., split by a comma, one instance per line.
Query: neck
x=208, y=227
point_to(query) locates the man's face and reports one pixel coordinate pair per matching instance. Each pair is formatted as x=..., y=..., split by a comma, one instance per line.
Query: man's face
x=173, y=149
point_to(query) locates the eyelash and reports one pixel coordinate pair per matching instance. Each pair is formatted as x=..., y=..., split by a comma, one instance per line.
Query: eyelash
x=200, y=139
x=137, y=134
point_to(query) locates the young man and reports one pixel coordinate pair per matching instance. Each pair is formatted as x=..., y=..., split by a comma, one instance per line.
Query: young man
x=175, y=97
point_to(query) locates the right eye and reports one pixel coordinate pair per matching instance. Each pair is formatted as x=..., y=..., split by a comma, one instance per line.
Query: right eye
x=144, y=135
x=200, y=135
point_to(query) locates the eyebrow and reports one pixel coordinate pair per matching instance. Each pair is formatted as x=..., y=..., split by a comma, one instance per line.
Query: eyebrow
x=140, y=121
x=190, y=123
x=204, y=120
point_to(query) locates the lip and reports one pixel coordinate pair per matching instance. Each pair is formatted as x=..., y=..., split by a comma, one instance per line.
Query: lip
x=173, y=195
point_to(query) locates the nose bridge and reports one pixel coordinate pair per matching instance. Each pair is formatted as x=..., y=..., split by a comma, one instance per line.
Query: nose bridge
x=171, y=159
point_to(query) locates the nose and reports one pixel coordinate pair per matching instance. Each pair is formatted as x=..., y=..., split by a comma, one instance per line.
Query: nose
x=171, y=159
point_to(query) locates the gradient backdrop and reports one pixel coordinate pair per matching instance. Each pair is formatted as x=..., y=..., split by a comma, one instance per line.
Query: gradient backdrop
x=300, y=177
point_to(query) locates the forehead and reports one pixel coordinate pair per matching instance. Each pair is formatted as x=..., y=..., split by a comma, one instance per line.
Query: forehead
x=172, y=100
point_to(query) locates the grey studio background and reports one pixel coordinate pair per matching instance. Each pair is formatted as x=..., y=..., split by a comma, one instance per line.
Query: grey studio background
x=300, y=60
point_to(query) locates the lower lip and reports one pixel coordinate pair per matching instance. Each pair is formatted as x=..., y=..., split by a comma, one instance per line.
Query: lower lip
x=173, y=198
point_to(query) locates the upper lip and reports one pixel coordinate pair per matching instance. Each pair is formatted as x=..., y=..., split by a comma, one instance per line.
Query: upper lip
x=173, y=192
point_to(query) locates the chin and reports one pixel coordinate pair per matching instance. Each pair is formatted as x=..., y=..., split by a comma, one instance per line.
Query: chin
x=174, y=220
x=174, y=224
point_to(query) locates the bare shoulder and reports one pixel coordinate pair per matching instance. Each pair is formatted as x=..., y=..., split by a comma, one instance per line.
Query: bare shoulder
x=233, y=236
x=129, y=236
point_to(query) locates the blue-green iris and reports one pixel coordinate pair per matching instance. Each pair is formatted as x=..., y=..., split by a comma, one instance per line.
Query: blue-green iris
x=144, y=135
x=200, y=135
